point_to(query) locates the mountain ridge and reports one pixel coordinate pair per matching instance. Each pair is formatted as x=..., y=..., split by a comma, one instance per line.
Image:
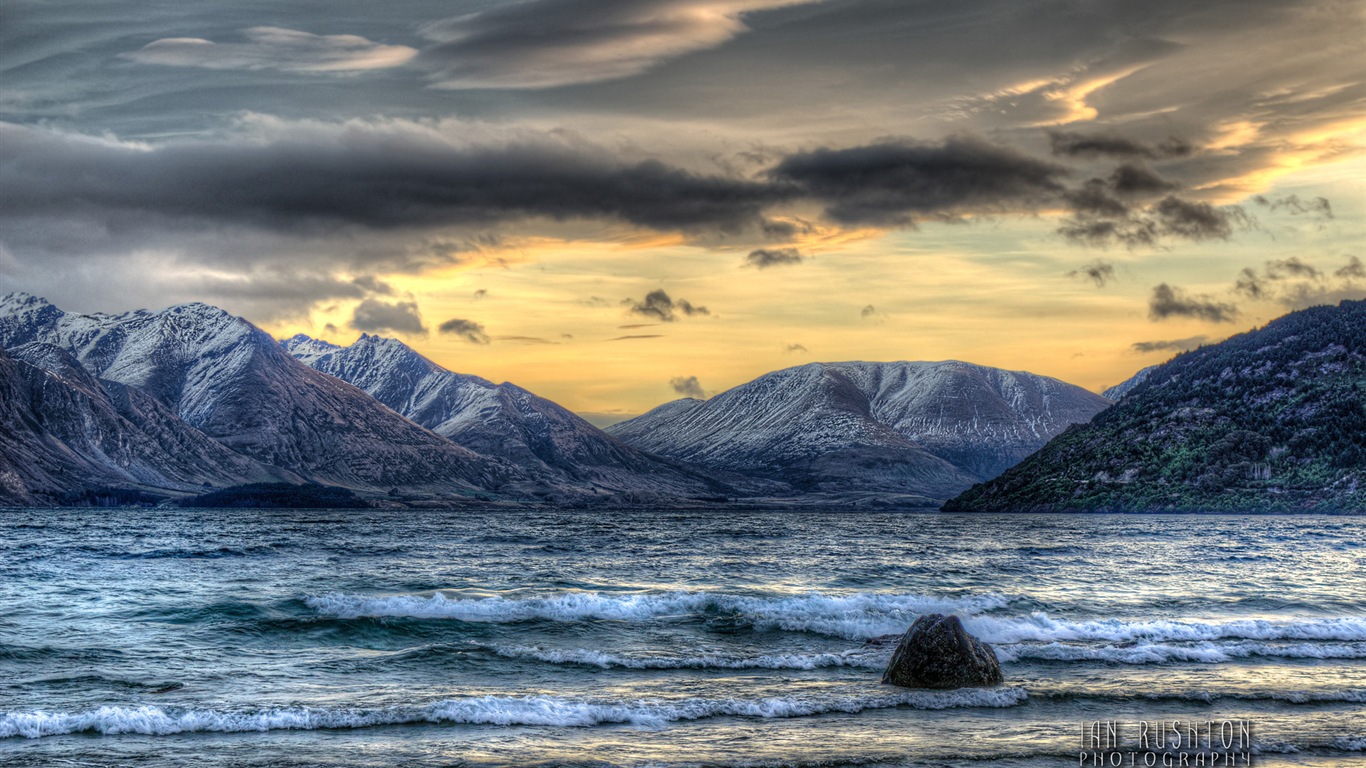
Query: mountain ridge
x=501, y=420
x=232, y=382
x=912, y=427
x=1269, y=420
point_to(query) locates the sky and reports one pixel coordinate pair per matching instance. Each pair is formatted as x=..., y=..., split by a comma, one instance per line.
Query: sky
x=617, y=203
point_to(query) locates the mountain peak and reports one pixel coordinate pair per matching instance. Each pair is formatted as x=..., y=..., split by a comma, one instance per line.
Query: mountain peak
x=302, y=345
x=927, y=428
x=19, y=301
x=200, y=311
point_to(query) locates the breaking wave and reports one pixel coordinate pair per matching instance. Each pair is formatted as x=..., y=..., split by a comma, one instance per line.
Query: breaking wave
x=1349, y=696
x=483, y=710
x=849, y=616
x=591, y=658
x=1039, y=627
x=1160, y=653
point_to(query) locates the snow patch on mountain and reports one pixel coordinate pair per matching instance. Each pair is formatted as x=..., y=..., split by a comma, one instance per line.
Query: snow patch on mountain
x=231, y=381
x=930, y=428
x=500, y=420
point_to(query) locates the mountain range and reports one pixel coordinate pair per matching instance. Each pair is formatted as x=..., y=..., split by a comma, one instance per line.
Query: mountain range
x=178, y=402
x=500, y=420
x=227, y=382
x=1269, y=420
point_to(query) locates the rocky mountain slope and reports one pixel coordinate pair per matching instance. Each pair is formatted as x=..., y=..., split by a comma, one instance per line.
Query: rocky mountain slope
x=1121, y=389
x=232, y=382
x=929, y=429
x=500, y=420
x=1269, y=420
x=66, y=436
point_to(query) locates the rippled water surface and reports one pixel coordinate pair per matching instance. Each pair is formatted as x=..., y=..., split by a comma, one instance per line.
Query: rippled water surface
x=176, y=637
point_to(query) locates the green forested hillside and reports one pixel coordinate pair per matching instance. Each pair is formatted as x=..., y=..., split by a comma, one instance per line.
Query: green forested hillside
x=1273, y=420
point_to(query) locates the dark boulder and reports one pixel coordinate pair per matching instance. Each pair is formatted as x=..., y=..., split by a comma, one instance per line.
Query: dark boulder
x=936, y=652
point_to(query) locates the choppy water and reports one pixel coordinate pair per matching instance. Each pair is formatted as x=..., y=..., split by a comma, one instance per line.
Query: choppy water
x=366, y=638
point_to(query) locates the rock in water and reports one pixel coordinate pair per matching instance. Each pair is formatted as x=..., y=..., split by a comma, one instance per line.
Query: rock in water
x=936, y=652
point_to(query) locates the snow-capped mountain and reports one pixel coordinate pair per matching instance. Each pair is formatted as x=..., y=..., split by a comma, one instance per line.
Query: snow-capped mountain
x=231, y=381
x=914, y=427
x=500, y=420
x=1120, y=390
x=63, y=432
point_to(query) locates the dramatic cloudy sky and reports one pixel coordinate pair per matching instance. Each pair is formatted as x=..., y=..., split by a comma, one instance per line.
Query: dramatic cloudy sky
x=619, y=202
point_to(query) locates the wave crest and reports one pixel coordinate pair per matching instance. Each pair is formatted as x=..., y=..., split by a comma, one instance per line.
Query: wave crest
x=1039, y=627
x=482, y=710
x=849, y=616
x=591, y=658
x=1160, y=653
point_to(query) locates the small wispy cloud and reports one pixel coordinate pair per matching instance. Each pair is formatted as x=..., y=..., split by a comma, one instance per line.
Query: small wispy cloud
x=1168, y=301
x=763, y=258
x=1169, y=345
x=379, y=316
x=659, y=305
x=286, y=50
x=468, y=330
x=1098, y=272
x=688, y=386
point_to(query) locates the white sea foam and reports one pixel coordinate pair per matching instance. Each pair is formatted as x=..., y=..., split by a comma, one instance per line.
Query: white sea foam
x=1205, y=652
x=1039, y=627
x=588, y=657
x=849, y=616
x=483, y=710
x=1348, y=696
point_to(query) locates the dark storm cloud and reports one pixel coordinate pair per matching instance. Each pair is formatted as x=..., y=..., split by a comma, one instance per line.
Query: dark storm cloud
x=372, y=284
x=468, y=330
x=1074, y=144
x=763, y=258
x=661, y=306
x=1171, y=345
x=1100, y=220
x=1193, y=220
x=64, y=195
x=1131, y=179
x=376, y=177
x=1113, y=210
x=786, y=229
x=1098, y=272
x=688, y=386
x=1094, y=200
x=1168, y=301
x=378, y=316
x=891, y=182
